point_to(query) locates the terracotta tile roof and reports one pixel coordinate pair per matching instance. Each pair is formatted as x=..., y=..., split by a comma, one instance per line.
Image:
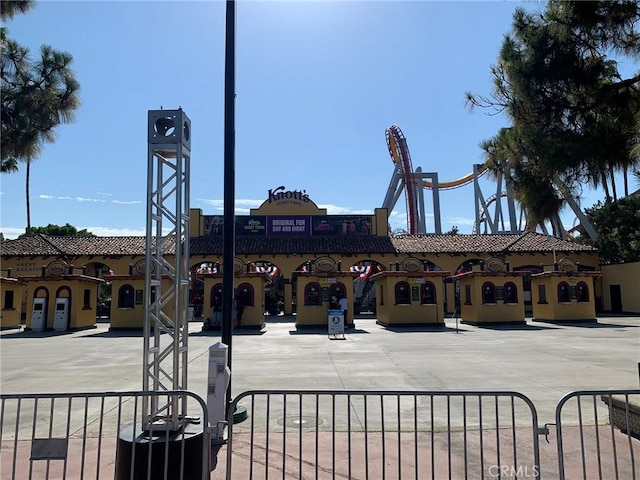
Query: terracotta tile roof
x=530, y=242
x=492, y=243
x=36, y=245
x=43, y=245
x=452, y=243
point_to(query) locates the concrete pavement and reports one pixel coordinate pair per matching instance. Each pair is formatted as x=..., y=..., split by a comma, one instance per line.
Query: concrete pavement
x=540, y=360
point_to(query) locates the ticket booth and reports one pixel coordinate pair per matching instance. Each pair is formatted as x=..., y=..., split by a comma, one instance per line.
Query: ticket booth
x=490, y=294
x=61, y=300
x=564, y=294
x=12, y=294
x=128, y=300
x=314, y=292
x=410, y=297
x=249, y=294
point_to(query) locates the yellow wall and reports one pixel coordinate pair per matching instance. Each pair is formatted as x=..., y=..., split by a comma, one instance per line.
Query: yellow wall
x=627, y=276
x=123, y=318
x=477, y=312
x=10, y=317
x=288, y=263
x=253, y=315
x=66, y=286
x=380, y=227
x=30, y=267
x=196, y=222
x=390, y=313
x=319, y=315
x=553, y=310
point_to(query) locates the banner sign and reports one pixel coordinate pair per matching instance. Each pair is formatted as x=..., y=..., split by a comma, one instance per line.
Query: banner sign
x=251, y=226
x=351, y=225
x=288, y=225
x=335, y=322
x=213, y=225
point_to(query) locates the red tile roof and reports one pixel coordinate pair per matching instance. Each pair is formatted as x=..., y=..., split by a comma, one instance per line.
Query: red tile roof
x=44, y=245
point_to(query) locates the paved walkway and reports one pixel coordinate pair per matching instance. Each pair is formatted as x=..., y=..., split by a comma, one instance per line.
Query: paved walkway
x=539, y=360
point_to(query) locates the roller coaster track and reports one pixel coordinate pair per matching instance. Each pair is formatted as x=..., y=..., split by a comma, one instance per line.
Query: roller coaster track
x=397, y=144
x=399, y=151
x=483, y=213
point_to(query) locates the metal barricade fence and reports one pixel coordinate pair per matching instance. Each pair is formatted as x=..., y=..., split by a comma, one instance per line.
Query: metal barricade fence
x=598, y=435
x=323, y=434
x=100, y=436
x=378, y=434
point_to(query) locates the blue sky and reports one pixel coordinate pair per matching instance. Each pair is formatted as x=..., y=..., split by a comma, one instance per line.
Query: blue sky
x=317, y=84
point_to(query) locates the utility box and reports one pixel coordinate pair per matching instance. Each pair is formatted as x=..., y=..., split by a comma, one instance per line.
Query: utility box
x=217, y=384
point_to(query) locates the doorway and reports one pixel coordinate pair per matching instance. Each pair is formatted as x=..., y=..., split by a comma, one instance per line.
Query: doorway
x=616, y=298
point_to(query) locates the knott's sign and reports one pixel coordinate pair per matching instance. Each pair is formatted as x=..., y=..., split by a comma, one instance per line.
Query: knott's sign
x=325, y=264
x=57, y=268
x=140, y=268
x=494, y=264
x=567, y=265
x=281, y=196
x=238, y=265
x=412, y=265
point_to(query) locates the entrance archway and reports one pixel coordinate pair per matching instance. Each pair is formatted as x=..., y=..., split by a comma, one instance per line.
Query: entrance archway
x=274, y=289
x=364, y=292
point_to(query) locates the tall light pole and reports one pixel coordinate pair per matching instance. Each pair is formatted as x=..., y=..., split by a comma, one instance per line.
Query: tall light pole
x=229, y=234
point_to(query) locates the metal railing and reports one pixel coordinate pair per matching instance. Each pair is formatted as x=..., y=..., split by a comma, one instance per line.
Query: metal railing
x=324, y=434
x=378, y=434
x=100, y=435
x=598, y=434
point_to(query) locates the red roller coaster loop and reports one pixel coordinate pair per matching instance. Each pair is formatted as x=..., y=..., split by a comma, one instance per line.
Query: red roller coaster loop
x=399, y=152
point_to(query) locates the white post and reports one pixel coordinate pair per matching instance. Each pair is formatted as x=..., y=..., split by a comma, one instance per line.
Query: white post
x=217, y=384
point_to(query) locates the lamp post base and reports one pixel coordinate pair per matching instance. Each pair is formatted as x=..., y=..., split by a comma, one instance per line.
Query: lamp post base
x=143, y=454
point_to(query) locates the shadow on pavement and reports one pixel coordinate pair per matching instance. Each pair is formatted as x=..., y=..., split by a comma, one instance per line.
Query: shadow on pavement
x=323, y=331
x=423, y=328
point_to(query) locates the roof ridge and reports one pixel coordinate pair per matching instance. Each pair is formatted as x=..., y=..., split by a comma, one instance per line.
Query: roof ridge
x=50, y=243
x=516, y=240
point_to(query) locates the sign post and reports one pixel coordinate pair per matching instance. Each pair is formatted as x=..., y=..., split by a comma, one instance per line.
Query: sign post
x=336, y=323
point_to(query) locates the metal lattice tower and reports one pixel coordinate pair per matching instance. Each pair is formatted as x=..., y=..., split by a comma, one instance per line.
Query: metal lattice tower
x=166, y=283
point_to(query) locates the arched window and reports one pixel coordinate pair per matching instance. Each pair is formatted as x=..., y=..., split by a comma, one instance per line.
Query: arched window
x=337, y=290
x=403, y=293
x=510, y=293
x=564, y=292
x=216, y=291
x=312, y=294
x=126, y=297
x=428, y=293
x=488, y=292
x=245, y=294
x=582, y=292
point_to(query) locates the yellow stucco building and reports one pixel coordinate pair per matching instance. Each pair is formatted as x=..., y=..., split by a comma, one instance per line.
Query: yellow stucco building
x=564, y=293
x=13, y=291
x=287, y=235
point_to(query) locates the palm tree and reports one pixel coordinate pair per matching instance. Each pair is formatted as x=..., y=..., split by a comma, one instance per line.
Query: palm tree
x=37, y=96
x=535, y=191
x=9, y=8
